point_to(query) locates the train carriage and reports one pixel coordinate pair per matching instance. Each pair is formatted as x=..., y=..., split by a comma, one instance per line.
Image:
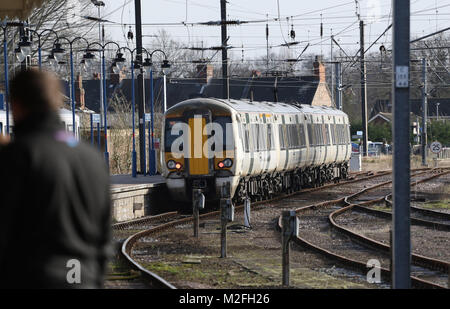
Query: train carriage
x=64, y=114
x=260, y=148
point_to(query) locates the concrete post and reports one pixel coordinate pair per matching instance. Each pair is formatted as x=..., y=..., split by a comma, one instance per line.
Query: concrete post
x=401, y=222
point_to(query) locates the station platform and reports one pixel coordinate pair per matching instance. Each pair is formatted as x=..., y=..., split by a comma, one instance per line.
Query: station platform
x=135, y=197
x=125, y=181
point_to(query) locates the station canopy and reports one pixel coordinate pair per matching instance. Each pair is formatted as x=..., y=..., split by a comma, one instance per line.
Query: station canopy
x=18, y=9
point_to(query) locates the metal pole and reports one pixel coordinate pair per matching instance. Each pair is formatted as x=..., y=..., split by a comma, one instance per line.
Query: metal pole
x=72, y=90
x=39, y=53
x=285, y=237
x=133, y=112
x=338, y=90
x=5, y=57
x=144, y=171
x=152, y=156
x=424, y=112
x=333, y=87
x=195, y=196
x=437, y=111
x=101, y=39
x=99, y=141
x=140, y=82
x=225, y=82
x=401, y=180
x=165, y=93
x=267, y=46
x=105, y=109
x=363, y=89
x=92, y=129
x=247, y=215
x=223, y=231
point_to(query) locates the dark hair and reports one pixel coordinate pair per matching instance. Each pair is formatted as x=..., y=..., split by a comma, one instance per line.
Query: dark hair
x=36, y=91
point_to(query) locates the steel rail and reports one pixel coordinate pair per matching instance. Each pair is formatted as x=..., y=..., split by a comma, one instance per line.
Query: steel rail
x=417, y=282
x=158, y=282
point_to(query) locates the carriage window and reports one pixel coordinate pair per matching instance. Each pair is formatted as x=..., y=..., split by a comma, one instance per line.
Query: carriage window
x=333, y=132
x=282, y=137
x=169, y=138
x=255, y=135
x=246, y=138
x=327, y=134
x=263, y=137
x=317, y=135
x=310, y=135
x=269, y=137
x=301, y=130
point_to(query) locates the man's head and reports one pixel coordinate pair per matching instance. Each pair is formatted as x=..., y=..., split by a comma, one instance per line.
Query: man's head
x=34, y=93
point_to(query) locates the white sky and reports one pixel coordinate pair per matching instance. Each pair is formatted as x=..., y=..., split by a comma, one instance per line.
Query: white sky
x=340, y=15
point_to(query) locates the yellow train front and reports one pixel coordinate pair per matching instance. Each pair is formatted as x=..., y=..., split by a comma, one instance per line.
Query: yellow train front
x=198, y=148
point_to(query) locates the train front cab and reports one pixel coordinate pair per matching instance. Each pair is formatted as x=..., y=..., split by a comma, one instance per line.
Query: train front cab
x=194, y=155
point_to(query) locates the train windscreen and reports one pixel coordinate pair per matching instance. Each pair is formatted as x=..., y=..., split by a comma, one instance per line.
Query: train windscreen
x=169, y=136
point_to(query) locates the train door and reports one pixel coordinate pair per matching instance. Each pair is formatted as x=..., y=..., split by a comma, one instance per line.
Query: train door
x=199, y=162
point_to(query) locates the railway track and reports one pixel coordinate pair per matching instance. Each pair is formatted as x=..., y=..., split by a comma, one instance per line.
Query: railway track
x=151, y=226
x=325, y=213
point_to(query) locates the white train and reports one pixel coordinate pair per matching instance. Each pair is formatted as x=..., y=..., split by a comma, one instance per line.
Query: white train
x=65, y=115
x=268, y=148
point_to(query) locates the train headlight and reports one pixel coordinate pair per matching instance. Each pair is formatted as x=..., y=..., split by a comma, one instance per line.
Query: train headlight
x=227, y=163
x=178, y=166
x=171, y=164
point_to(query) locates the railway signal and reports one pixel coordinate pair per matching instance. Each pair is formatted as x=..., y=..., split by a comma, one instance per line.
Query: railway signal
x=198, y=202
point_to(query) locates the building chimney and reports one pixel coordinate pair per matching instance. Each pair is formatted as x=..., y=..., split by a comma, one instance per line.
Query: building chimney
x=319, y=69
x=79, y=93
x=205, y=71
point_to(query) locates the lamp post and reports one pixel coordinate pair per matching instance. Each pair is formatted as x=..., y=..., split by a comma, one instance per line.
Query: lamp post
x=58, y=52
x=39, y=35
x=5, y=57
x=165, y=68
x=105, y=105
x=4, y=27
x=120, y=64
x=151, y=155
